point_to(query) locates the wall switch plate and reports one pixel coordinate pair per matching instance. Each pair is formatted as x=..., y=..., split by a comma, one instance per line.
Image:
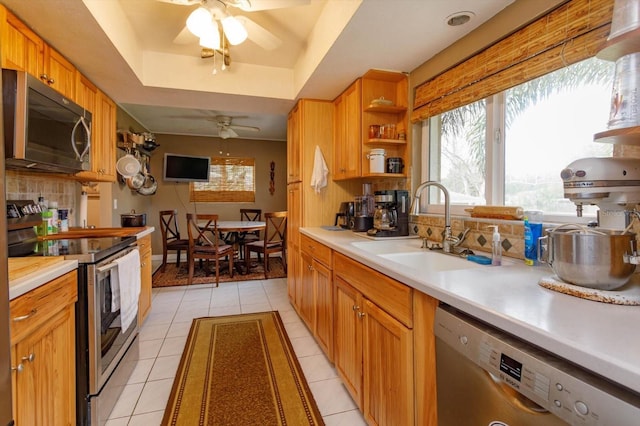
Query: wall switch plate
x=115, y=204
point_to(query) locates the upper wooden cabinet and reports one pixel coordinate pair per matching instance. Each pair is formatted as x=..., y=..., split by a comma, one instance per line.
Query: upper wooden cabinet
x=22, y=49
x=347, y=160
x=103, y=139
x=59, y=73
x=378, y=98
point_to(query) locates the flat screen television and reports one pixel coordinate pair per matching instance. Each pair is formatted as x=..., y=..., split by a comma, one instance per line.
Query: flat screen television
x=186, y=168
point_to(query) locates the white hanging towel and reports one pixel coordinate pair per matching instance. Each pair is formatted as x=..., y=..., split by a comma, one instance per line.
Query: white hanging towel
x=320, y=171
x=125, y=288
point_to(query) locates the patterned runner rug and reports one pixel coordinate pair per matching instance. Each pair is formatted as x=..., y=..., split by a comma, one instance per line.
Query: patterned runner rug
x=240, y=370
x=173, y=276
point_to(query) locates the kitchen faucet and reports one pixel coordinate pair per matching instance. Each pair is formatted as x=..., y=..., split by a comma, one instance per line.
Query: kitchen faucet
x=449, y=242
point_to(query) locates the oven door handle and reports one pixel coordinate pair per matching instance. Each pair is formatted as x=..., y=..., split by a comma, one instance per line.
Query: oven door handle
x=107, y=267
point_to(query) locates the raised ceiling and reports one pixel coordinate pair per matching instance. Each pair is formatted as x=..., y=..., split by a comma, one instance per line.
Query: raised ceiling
x=127, y=48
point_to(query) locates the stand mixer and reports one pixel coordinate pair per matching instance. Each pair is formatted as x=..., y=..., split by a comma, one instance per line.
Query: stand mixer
x=613, y=184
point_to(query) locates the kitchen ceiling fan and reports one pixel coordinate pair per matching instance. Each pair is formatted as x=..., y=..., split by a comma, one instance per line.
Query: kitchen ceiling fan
x=205, y=21
x=226, y=129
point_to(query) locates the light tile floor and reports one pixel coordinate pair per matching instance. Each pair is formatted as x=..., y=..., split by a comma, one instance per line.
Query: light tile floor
x=164, y=334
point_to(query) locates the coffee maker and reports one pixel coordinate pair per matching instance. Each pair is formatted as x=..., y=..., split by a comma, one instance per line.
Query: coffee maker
x=363, y=206
x=391, y=216
x=344, y=215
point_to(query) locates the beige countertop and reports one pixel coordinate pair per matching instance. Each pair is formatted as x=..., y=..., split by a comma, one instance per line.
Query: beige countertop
x=139, y=232
x=600, y=337
x=28, y=273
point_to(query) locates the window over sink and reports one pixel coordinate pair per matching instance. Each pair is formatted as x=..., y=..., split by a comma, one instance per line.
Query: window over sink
x=509, y=148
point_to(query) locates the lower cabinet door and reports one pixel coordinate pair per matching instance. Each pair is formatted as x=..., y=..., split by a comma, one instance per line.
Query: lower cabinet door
x=347, y=354
x=387, y=369
x=307, y=291
x=45, y=384
x=324, y=308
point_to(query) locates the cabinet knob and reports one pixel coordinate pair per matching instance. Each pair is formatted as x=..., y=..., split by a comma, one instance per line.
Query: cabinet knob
x=29, y=358
x=361, y=315
x=18, y=368
x=24, y=317
x=47, y=79
x=356, y=307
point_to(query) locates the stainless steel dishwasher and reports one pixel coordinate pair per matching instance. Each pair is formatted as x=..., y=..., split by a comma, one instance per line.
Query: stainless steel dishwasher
x=488, y=377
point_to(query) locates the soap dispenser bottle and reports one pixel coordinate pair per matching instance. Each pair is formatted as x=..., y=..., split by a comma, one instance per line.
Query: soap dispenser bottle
x=496, y=247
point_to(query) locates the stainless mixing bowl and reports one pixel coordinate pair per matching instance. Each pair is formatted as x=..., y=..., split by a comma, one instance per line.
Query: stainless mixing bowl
x=588, y=257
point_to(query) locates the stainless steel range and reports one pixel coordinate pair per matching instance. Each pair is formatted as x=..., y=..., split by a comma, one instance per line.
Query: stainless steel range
x=105, y=354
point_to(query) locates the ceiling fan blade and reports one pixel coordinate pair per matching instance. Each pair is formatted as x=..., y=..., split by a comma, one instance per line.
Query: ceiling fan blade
x=259, y=35
x=248, y=128
x=185, y=37
x=256, y=5
x=181, y=2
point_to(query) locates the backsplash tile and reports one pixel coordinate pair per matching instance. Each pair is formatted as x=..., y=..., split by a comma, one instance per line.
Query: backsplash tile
x=25, y=186
x=479, y=236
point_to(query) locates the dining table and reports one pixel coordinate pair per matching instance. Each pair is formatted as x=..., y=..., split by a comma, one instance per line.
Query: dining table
x=237, y=227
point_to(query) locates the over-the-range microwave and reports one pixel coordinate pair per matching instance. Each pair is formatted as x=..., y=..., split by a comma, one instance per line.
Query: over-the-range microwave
x=43, y=130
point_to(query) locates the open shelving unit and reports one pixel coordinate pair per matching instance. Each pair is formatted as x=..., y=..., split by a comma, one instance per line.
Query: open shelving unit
x=624, y=44
x=392, y=86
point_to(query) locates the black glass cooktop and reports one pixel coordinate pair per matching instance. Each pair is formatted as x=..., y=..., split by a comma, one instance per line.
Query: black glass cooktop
x=84, y=250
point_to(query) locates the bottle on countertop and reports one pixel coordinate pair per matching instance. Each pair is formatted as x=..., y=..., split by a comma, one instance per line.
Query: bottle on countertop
x=53, y=208
x=532, y=231
x=496, y=247
x=47, y=223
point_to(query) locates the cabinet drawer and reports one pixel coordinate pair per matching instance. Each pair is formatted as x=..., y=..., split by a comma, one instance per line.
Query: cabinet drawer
x=144, y=245
x=318, y=251
x=33, y=309
x=390, y=295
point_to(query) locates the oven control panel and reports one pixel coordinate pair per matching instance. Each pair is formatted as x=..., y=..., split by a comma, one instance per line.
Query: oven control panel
x=545, y=381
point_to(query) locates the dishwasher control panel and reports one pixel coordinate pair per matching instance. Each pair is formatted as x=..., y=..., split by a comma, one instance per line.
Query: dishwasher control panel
x=553, y=384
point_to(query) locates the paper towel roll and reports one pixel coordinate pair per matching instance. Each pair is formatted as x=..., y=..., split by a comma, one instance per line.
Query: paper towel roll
x=82, y=211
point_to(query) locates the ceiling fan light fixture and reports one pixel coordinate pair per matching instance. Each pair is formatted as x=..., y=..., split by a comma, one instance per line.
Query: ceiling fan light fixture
x=234, y=30
x=199, y=21
x=210, y=38
x=226, y=133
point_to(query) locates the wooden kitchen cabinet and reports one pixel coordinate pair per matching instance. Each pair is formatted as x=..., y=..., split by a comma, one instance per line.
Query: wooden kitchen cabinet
x=144, y=300
x=316, y=301
x=356, y=109
x=22, y=49
x=310, y=126
x=294, y=217
x=373, y=346
x=294, y=151
x=103, y=138
x=59, y=73
x=43, y=353
x=347, y=159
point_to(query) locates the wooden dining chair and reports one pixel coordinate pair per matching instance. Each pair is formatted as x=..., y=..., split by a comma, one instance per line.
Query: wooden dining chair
x=204, y=244
x=274, y=240
x=250, y=215
x=171, y=236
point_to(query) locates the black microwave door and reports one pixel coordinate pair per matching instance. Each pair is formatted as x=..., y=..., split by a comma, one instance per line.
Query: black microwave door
x=55, y=134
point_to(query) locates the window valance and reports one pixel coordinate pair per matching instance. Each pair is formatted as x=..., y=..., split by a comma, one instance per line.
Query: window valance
x=570, y=33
